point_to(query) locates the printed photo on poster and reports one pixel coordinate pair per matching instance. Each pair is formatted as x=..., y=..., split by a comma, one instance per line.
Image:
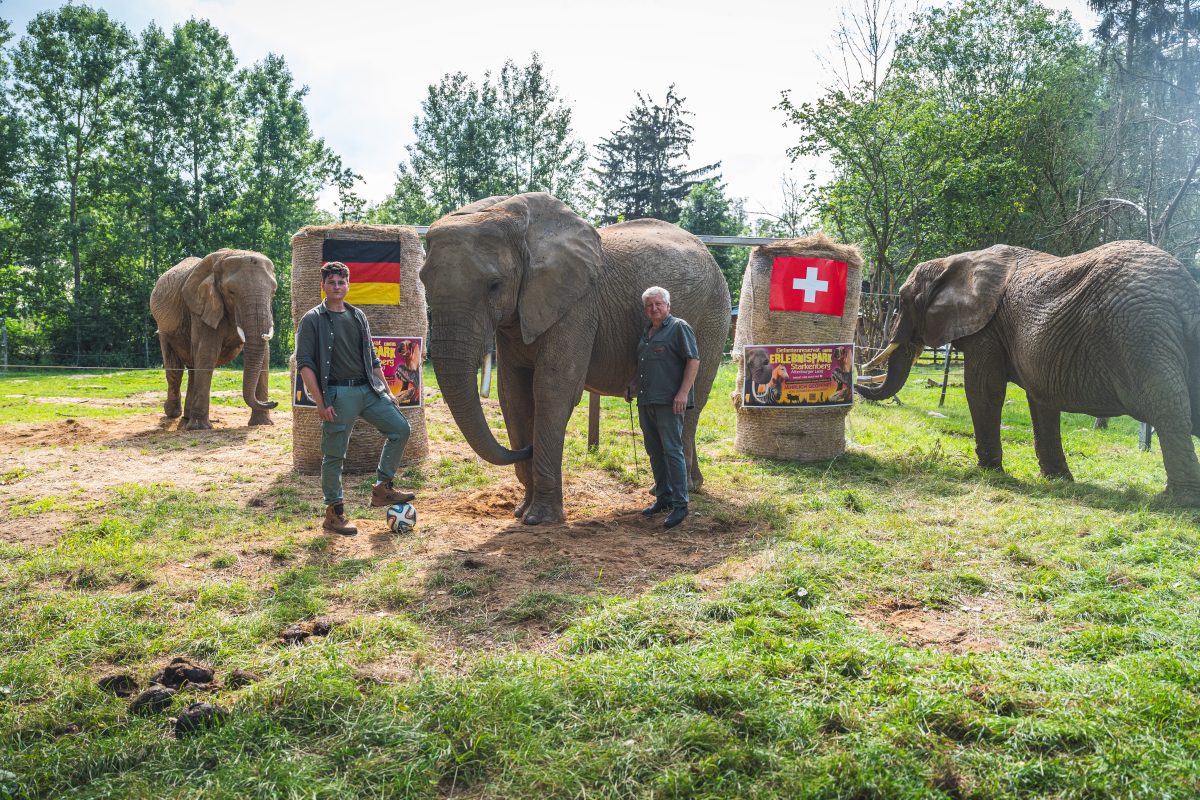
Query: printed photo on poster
x=401, y=360
x=798, y=375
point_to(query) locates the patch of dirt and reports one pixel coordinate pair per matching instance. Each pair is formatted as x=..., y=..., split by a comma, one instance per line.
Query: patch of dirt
x=472, y=559
x=968, y=627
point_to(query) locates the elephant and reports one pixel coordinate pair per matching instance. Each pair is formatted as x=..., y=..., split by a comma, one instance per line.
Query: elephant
x=563, y=303
x=1109, y=332
x=207, y=309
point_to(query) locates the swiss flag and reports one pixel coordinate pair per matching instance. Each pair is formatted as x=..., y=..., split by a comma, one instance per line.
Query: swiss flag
x=815, y=285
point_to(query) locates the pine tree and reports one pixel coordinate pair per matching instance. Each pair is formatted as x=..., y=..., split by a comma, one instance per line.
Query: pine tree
x=642, y=171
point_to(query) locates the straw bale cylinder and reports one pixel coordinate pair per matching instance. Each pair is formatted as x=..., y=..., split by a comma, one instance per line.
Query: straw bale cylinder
x=406, y=319
x=792, y=434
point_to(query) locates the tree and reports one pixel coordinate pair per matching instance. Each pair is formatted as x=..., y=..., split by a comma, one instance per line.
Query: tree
x=642, y=170
x=706, y=210
x=980, y=133
x=537, y=151
x=406, y=205
x=281, y=168
x=1153, y=67
x=70, y=74
x=507, y=135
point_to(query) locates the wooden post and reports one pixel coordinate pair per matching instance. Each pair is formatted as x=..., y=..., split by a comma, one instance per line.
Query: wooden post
x=1145, y=434
x=593, y=421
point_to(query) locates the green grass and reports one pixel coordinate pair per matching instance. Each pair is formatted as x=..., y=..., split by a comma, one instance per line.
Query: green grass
x=791, y=677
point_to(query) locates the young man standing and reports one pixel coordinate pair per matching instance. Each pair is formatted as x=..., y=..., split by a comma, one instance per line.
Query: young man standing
x=668, y=361
x=344, y=377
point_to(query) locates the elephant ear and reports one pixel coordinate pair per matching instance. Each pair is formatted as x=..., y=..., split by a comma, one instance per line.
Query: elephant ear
x=562, y=259
x=964, y=295
x=200, y=292
x=478, y=205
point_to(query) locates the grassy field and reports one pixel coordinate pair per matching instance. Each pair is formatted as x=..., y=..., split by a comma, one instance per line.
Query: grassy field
x=894, y=624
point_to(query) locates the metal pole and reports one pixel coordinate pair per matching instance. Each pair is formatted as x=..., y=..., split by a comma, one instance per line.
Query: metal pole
x=4, y=344
x=945, y=375
x=1145, y=434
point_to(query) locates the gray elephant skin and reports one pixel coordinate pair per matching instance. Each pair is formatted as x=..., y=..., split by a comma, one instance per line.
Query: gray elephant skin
x=563, y=302
x=1109, y=332
x=207, y=310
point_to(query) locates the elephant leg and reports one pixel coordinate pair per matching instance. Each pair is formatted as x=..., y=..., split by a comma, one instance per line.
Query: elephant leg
x=985, y=384
x=1047, y=442
x=199, y=388
x=1179, y=458
x=557, y=389
x=173, y=367
x=263, y=416
x=516, y=401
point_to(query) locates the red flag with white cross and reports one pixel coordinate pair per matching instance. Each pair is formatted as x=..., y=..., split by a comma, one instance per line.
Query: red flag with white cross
x=814, y=285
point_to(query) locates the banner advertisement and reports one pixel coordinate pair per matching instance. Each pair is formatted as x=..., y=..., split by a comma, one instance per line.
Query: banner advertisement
x=401, y=360
x=798, y=375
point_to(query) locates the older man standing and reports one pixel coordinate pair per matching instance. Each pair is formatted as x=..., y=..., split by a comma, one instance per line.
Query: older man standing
x=668, y=361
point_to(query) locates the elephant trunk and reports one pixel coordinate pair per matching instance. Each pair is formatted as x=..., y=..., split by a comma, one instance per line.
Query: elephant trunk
x=899, y=364
x=256, y=325
x=455, y=358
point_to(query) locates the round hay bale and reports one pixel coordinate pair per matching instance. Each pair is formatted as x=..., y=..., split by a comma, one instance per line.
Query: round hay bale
x=809, y=434
x=406, y=319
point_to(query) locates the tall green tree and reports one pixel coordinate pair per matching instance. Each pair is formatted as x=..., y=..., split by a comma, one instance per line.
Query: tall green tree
x=282, y=167
x=536, y=145
x=1152, y=64
x=506, y=134
x=980, y=133
x=707, y=210
x=70, y=73
x=643, y=169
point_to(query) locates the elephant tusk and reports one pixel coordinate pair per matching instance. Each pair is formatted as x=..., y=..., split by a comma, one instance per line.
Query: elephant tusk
x=871, y=380
x=882, y=357
x=241, y=334
x=270, y=334
x=486, y=387
x=266, y=337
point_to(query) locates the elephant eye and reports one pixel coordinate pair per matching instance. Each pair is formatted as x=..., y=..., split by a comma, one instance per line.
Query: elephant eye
x=494, y=286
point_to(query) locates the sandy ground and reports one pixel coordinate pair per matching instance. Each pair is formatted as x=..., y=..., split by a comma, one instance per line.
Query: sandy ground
x=606, y=546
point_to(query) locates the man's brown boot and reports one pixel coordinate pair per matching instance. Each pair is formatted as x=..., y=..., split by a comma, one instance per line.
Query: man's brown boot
x=335, y=522
x=384, y=494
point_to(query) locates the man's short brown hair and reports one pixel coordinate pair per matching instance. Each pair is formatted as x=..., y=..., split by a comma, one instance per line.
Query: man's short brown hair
x=334, y=268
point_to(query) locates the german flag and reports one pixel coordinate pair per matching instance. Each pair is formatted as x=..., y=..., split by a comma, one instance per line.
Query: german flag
x=374, y=269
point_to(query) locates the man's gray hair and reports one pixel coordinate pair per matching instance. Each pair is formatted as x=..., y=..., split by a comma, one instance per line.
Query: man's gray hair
x=657, y=290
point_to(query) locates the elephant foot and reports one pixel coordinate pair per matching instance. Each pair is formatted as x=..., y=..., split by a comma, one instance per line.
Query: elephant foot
x=1058, y=473
x=992, y=466
x=261, y=418
x=198, y=424
x=543, y=512
x=1180, y=496
x=523, y=506
x=172, y=410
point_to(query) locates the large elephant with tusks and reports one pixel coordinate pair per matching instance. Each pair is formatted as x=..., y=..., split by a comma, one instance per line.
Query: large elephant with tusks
x=563, y=302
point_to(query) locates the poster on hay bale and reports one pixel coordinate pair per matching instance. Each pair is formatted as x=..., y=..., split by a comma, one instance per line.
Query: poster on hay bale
x=798, y=375
x=400, y=357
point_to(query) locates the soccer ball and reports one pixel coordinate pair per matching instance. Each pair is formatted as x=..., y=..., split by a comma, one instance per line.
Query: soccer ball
x=401, y=517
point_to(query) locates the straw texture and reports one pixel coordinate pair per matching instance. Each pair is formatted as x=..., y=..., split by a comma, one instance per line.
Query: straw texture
x=407, y=319
x=811, y=434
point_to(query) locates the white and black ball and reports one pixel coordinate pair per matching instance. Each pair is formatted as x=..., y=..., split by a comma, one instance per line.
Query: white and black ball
x=401, y=517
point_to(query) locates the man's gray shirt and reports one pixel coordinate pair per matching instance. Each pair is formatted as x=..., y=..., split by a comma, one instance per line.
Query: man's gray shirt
x=661, y=361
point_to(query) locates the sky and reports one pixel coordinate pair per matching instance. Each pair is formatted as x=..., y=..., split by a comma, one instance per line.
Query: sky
x=368, y=65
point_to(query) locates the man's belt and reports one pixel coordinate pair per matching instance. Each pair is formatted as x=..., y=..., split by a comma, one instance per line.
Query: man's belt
x=350, y=382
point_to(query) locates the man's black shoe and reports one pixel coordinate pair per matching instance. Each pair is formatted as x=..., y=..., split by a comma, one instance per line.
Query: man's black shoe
x=658, y=507
x=678, y=514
